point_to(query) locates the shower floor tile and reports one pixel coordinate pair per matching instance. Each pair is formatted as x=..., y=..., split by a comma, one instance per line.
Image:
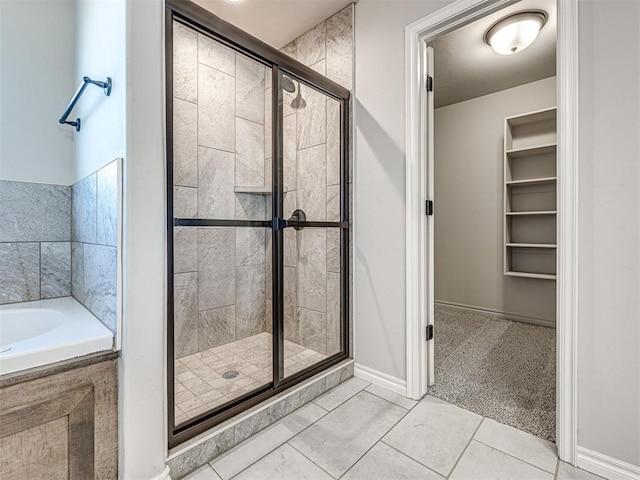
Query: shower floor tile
x=199, y=382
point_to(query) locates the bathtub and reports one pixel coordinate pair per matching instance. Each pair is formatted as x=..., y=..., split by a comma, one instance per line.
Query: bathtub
x=48, y=331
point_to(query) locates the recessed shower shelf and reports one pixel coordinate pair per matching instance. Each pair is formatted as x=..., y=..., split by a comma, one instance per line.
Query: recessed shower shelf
x=266, y=190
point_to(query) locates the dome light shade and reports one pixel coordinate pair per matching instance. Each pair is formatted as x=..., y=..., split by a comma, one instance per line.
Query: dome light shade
x=516, y=32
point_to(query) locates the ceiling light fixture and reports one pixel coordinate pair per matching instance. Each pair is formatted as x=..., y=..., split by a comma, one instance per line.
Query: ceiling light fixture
x=514, y=33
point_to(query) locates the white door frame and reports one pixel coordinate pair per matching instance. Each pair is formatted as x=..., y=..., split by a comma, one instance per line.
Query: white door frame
x=419, y=275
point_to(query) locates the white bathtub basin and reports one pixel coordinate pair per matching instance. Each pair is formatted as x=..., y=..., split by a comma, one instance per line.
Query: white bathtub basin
x=47, y=331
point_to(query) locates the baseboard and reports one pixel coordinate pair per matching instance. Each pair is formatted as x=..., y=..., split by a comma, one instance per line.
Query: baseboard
x=394, y=384
x=605, y=466
x=163, y=476
x=494, y=313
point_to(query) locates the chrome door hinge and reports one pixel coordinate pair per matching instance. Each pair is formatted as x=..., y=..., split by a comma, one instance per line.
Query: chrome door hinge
x=429, y=83
x=429, y=210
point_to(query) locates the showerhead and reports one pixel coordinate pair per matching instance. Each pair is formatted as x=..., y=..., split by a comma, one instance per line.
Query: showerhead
x=298, y=102
x=288, y=85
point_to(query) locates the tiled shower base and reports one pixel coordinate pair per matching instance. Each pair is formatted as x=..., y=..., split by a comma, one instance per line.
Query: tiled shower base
x=199, y=382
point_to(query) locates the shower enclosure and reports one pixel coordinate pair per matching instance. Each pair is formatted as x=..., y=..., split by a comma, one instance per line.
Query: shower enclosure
x=257, y=218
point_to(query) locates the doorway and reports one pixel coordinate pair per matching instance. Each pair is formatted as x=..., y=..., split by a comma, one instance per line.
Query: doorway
x=495, y=209
x=420, y=187
x=257, y=218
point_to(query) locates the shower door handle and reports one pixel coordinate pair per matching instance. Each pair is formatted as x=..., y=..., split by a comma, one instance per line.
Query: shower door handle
x=298, y=221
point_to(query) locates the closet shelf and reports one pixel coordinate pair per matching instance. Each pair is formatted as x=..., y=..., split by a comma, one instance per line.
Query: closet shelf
x=544, y=212
x=543, y=276
x=266, y=190
x=532, y=181
x=531, y=245
x=530, y=195
x=531, y=151
x=542, y=115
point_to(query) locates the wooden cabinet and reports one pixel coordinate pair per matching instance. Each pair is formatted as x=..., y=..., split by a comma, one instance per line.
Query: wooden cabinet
x=61, y=421
x=530, y=192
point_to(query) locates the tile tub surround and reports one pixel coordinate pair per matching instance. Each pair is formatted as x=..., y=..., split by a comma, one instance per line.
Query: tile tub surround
x=374, y=434
x=199, y=381
x=94, y=241
x=57, y=241
x=199, y=450
x=35, y=234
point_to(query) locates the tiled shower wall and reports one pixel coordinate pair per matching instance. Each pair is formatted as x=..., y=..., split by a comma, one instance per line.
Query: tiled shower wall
x=222, y=142
x=312, y=177
x=57, y=241
x=219, y=138
x=35, y=248
x=94, y=237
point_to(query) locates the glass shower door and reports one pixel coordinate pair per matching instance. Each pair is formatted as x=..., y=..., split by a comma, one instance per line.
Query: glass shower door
x=315, y=236
x=222, y=343
x=257, y=221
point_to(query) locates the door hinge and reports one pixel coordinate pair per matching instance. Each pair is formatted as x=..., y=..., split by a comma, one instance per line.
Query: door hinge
x=429, y=332
x=429, y=83
x=429, y=207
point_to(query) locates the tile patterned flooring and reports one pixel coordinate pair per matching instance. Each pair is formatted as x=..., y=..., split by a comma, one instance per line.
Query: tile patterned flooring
x=359, y=431
x=200, y=386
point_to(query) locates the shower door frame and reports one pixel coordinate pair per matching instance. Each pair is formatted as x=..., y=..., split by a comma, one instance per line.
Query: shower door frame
x=206, y=23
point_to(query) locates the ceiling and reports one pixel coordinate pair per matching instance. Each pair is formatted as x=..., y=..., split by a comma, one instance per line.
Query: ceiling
x=276, y=22
x=466, y=67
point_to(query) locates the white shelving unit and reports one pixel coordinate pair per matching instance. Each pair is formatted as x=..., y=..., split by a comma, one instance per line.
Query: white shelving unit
x=530, y=186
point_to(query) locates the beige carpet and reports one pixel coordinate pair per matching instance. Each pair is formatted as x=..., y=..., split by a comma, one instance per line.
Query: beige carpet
x=498, y=368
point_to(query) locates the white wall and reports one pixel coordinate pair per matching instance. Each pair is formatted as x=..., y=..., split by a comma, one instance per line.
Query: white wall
x=468, y=198
x=142, y=393
x=379, y=182
x=36, y=83
x=609, y=229
x=100, y=53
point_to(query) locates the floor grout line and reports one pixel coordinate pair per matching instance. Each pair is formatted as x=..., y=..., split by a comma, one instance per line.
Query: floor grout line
x=555, y=475
x=292, y=446
x=465, y=448
x=279, y=445
x=381, y=436
x=513, y=456
x=411, y=458
x=335, y=388
x=408, y=409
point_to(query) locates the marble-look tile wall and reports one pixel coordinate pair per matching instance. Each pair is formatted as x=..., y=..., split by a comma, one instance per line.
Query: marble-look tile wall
x=58, y=240
x=219, y=148
x=35, y=234
x=94, y=241
x=312, y=178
